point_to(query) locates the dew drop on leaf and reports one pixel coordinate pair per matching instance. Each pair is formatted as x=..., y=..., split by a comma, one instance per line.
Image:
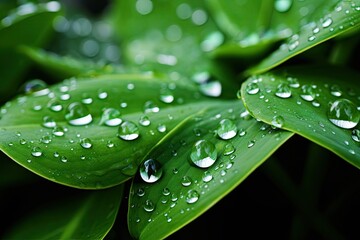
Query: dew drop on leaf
x=85, y=143
x=144, y=121
x=192, y=196
x=207, y=176
x=211, y=89
x=36, y=87
x=283, y=91
x=150, y=171
x=355, y=135
x=54, y=105
x=58, y=131
x=186, y=181
x=36, y=151
x=227, y=129
x=110, y=117
x=149, y=206
x=48, y=122
x=278, y=121
x=229, y=149
x=308, y=93
x=344, y=114
x=203, y=154
x=128, y=131
x=78, y=114
x=282, y=5
x=252, y=88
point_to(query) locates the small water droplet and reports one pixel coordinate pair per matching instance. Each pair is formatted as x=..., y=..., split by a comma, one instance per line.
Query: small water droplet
x=58, y=131
x=36, y=87
x=102, y=94
x=192, y=196
x=110, y=144
x=166, y=97
x=36, y=151
x=227, y=129
x=149, y=206
x=355, y=135
x=150, y=170
x=229, y=149
x=85, y=143
x=151, y=107
x=166, y=191
x=144, y=121
x=252, y=88
x=110, y=117
x=308, y=93
x=326, y=22
x=78, y=114
x=54, y=105
x=45, y=139
x=211, y=88
x=251, y=143
x=207, y=176
x=161, y=128
x=63, y=159
x=278, y=121
x=49, y=122
x=128, y=131
x=283, y=90
x=140, y=192
x=23, y=141
x=335, y=90
x=343, y=113
x=186, y=181
x=144, y=7
x=203, y=154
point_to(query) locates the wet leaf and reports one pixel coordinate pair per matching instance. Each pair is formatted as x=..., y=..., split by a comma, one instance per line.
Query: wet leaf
x=340, y=19
x=90, y=216
x=318, y=103
x=215, y=151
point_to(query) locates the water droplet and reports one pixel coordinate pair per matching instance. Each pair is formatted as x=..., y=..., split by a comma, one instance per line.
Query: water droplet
x=199, y=17
x=23, y=141
x=343, y=113
x=211, y=88
x=166, y=191
x=207, y=176
x=54, y=105
x=282, y=5
x=45, y=139
x=251, y=143
x=140, y=192
x=85, y=143
x=58, y=131
x=308, y=93
x=149, y=206
x=283, y=90
x=335, y=90
x=186, y=181
x=192, y=196
x=63, y=159
x=111, y=117
x=78, y=114
x=49, y=122
x=128, y=131
x=36, y=151
x=203, y=154
x=166, y=97
x=212, y=41
x=326, y=22
x=144, y=7
x=102, y=94
x=36, y=87
x=278, y=121
x=150, y=170
x=355, y=135
x=110, y=144
x=161, y=128
x=252, y=88
x=144, y=121
x=229, y=149
x=151, y=107
x=184, y=11
x=227, y=129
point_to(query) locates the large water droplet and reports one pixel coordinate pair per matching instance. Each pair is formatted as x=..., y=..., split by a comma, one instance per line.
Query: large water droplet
x=150, y=170
x=203, y=154
x=227, y=129
x=36, y=87
x=78, y=114
x=111, y=117
x=343, y=113
x=128, y=131
x=192, y=196
x=282, y=5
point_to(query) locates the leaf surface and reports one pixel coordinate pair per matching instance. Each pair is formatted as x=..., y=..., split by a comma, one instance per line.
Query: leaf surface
x=184, y=191
x=305, y=100
x=90, y=216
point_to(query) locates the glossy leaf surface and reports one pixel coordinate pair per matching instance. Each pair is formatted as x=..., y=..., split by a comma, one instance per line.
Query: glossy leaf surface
x=310, y=103
x=339, y=19
x=227, y=134
x=88, y=216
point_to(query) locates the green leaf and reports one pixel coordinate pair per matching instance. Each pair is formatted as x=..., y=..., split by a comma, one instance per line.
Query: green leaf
x=62, y=67
x=306, y=95
x=340, y=19
x=90, y=216
x=184, y=190
x=173, y=35
x=18, y=29
x=254, y=26
x=29, y=126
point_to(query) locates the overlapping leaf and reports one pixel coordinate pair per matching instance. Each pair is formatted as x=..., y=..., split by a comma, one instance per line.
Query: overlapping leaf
x=184, y=190
x=310, y=101
x=341, y=18
x=87, y=216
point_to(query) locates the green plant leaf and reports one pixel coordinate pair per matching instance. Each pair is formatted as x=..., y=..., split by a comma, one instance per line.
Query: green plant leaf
x=299, y=99
x=174, y=34
x=30, y=126
x=184, y=191
x=342, y=18
x=90, y=216
x=18, y=29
